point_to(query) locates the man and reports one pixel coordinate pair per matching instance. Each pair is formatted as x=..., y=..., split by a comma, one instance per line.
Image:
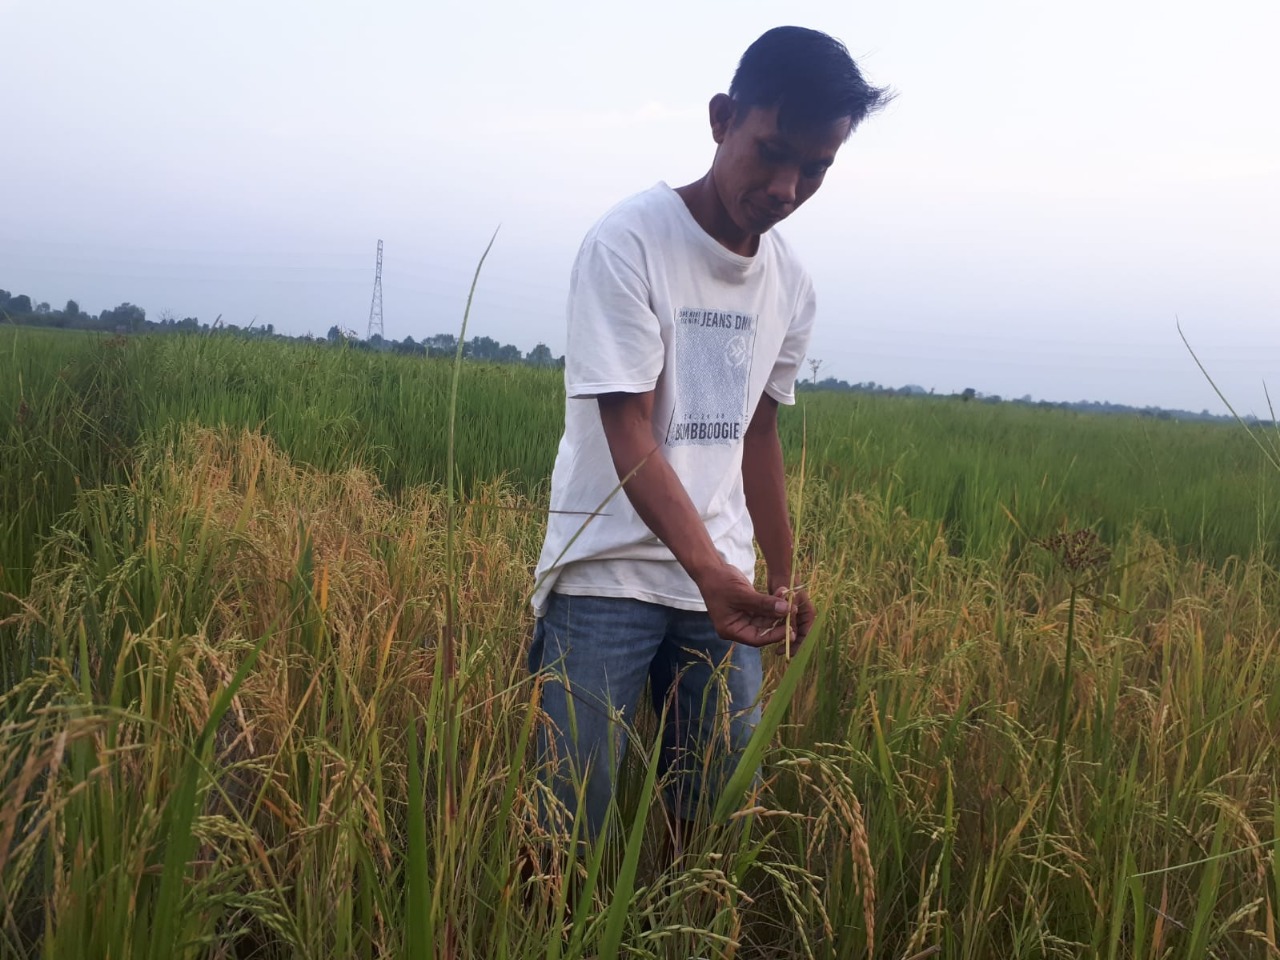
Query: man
x=687, y=323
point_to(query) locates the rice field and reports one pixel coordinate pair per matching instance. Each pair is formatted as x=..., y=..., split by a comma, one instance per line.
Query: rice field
x=265, y=693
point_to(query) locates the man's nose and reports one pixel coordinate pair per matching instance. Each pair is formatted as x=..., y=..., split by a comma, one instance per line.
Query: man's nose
x=782, y=188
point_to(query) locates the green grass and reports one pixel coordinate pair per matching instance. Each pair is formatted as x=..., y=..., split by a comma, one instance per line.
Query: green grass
x=72, y=405
x=969, y=466
x=228, y=730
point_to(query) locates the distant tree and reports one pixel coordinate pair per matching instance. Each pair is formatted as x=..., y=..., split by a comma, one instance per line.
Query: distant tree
x=483, y=348
x=408, y=346
x=334, y=335
x=814, y=365
x=19, y=304
x=540, y=356
x=441, y=345
x=43, y=308
x=125, y=317
x=968, y=393
x=71, y=310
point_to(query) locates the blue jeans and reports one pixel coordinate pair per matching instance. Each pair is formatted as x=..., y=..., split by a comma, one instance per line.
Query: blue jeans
x=597, y=653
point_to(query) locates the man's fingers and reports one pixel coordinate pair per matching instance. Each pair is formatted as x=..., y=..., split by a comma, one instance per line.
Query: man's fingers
x=742, y=614
x=755, y=631
x=754, y=636
x=760, y=606
x=805, y=616
x=766, y=605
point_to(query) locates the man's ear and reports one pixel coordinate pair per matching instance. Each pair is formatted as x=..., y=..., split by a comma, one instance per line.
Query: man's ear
x=722, y=111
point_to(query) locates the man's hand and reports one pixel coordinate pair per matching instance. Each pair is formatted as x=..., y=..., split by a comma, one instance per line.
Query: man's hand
x=802, y=612
x=739, y=612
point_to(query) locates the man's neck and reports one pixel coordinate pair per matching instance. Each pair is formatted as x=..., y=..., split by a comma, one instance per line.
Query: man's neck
x=704, y=204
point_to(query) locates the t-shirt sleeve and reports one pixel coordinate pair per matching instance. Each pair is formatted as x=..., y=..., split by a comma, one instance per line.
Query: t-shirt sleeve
x=614, y=337
x=782, y=380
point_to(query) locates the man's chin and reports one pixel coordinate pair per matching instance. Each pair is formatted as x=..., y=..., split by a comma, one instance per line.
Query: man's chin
x=755, y=226
x=759, y=223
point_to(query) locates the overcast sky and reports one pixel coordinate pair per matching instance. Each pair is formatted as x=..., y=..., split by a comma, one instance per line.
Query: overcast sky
x=1054, y=185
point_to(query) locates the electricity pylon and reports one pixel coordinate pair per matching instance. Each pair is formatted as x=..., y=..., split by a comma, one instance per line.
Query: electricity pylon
x=375, y=309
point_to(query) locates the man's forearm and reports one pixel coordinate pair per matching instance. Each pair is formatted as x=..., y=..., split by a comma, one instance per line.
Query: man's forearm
x=765, y=485
x=656, y=493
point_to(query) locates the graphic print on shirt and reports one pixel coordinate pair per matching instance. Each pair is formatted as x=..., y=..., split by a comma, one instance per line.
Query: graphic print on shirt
x=713, y=368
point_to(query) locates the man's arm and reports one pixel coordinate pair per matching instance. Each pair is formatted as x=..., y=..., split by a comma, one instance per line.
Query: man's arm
x=739, y=613
x=765, y=486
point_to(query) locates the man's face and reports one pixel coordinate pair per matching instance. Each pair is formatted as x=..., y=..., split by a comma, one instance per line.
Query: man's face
x=762, y=174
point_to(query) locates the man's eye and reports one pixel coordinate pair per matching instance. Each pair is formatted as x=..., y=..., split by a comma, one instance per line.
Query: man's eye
x=814, y=170
x=770, y=154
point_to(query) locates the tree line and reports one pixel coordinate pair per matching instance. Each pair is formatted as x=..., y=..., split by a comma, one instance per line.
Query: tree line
x=969, y=394
x=20, y=309
x=446, y=345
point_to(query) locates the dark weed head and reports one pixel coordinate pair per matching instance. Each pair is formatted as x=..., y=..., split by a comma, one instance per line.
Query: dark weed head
x=1080, y=551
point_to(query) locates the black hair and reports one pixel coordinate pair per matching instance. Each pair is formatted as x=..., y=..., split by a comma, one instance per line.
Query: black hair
x=808, y=76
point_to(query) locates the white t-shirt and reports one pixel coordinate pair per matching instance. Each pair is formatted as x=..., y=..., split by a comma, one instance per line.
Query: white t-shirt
x=655, y=303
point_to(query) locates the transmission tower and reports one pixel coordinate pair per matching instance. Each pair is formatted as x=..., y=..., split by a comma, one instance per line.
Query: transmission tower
x=375, y=308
